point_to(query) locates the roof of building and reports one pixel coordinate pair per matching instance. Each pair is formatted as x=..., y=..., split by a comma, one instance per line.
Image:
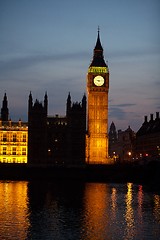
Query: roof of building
x=7, y=125
x=150, y=127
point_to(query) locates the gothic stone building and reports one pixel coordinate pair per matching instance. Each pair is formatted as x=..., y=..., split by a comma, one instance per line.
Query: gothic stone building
x=56, y=140
x=148, y=138
x=121, y=144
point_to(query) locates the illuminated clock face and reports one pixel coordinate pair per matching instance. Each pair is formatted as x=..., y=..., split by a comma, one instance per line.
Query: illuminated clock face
x=98, y=81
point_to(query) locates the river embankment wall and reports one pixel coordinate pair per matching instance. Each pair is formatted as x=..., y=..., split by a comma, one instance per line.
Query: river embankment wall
x=148, y=174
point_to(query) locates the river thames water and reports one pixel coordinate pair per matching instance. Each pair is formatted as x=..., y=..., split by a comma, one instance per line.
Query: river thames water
x=76, y=210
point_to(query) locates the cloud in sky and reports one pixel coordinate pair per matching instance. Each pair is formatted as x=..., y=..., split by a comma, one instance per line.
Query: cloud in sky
x=117, y=113
x=27, y=60
x=30, y=60
x=120, y=111
x=124, y=105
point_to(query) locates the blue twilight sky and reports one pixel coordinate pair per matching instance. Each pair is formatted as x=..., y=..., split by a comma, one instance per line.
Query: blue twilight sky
x=47, y=45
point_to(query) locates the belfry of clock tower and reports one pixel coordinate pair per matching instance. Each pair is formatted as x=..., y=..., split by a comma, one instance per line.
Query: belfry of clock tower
x=97, y=115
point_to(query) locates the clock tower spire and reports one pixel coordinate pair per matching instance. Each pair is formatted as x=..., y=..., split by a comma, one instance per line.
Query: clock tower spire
x=97, y=89
x=98, y=58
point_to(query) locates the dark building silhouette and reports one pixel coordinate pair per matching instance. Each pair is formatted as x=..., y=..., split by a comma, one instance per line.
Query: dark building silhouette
x=148, y=137
x=112, y=134
x=126, y=144
x=4, y=109
x=56, y=139
x=76, y=130
x=121, y=144
x=37, y=130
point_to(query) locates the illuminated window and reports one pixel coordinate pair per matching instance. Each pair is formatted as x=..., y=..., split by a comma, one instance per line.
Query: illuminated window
x=14, y=151
x=4, y=137
x=24, y=137
x=23, y=151
x=4, y=150
x=14, y=137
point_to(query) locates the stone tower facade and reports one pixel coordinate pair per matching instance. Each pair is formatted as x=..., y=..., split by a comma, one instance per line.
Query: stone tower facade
x=97, y=116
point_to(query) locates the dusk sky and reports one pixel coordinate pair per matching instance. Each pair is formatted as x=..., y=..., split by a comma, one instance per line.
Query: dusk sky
x=47, y=45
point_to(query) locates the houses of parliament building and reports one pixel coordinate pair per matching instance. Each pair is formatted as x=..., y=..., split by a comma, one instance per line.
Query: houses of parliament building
x=13, y=137
x=62, y=140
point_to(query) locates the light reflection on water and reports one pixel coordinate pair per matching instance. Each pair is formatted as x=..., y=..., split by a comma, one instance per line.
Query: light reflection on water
x=14, y=218
x=78, y=211
x=129, y=214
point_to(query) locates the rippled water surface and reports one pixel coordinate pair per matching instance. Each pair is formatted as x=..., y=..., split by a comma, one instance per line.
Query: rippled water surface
x=78, y=211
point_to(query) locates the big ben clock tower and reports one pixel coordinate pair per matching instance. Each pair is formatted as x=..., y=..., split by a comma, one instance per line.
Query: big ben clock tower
x=97, y=89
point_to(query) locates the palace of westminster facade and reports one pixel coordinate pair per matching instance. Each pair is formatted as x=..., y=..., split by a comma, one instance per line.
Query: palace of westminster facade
x=62, y=140
x=65, y=140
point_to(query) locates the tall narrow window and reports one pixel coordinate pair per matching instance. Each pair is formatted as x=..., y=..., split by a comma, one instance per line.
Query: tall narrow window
x=4, y=150
x=23, y=151
x=14, y=151
x=4, y=137
x=14, y=137
x=24, y=137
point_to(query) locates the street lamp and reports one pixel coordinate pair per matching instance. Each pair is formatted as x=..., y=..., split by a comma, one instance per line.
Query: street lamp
x=129, y=154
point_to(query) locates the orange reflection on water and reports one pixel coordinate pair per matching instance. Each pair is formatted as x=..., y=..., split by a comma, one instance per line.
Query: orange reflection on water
x=13, y=209
x=129, y=216
x=114, y=202
x=140, y=202
x=95, y=208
